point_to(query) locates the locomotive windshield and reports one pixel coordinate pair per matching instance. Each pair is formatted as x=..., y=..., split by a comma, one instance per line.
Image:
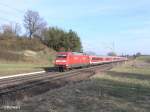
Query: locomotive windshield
x=61, y=56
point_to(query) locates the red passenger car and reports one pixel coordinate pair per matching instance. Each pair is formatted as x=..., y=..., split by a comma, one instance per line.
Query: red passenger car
x=95, y=60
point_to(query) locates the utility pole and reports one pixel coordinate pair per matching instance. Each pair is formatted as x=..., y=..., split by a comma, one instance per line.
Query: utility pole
x=113, y=46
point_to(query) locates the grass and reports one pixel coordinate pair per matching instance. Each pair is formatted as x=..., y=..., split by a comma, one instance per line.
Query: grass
x=27, y=64
x=125, y=88
x=21, y=55
x=31, y=63
x=129, y=84
x=132, y=69
x=20, y=67
x=144, y=58
x=19, y=44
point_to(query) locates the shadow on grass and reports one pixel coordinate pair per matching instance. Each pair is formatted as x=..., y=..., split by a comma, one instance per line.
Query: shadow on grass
x=129, y=75
x=49, y=69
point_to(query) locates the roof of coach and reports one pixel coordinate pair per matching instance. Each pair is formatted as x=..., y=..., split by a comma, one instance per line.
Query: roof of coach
x=63, y=52
x=101, y=56
x=74, y=53
x=106, y=56
x=78, y=53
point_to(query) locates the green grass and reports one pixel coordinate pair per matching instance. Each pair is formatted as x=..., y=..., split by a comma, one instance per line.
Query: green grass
x=131, y=68
x=144, y=58
x=15, y=68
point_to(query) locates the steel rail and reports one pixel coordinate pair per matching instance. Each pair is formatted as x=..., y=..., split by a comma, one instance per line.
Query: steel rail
x=41, y=80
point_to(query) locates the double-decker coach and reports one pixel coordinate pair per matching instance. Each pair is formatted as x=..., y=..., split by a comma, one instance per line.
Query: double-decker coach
x=69, y=60
x=95, y=60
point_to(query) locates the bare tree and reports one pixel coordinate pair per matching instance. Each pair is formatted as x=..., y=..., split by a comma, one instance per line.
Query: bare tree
x=33, y=23
x=11, y=29
x=17, y=29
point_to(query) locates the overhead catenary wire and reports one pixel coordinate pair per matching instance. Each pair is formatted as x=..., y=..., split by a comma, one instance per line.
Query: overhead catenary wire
x=7, y=20
x=13, y=8
x=11, y=13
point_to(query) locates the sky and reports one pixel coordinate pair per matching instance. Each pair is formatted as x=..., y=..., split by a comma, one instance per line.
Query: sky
x=122, y=26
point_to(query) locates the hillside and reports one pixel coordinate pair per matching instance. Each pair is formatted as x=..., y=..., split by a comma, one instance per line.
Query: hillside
x=18, y=55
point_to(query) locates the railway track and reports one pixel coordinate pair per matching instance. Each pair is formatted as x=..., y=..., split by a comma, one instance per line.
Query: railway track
x=25, y=82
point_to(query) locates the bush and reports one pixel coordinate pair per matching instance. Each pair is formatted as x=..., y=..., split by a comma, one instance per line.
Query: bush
x=19, y=44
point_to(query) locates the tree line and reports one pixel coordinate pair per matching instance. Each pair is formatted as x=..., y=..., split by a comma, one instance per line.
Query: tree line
x=36, y=27
x=61, y=40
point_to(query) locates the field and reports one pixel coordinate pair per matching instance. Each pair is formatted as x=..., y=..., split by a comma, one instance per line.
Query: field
x=125, y=88
x=144, y=58
x=26, y=64
x=16, y=68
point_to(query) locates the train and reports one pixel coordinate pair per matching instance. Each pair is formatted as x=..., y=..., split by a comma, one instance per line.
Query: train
x=70, y=60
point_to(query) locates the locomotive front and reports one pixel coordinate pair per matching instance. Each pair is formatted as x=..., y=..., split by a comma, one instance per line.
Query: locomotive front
x=61, y=61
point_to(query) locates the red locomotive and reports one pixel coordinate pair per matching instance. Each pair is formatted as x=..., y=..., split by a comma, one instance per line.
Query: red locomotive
x=69, y=60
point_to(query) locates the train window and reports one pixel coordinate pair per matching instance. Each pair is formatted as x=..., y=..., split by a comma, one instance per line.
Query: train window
x=95, y=58
x=61, y=56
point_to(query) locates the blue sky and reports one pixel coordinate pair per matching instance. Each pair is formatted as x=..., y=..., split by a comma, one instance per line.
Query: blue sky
x=103, y=25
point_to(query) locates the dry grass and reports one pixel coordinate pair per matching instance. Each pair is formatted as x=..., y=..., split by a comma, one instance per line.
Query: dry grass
x=13, y=65
x=14, y=49
x=144, y=58
x=19, y=55
x=19, y=44
x=123, y=89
